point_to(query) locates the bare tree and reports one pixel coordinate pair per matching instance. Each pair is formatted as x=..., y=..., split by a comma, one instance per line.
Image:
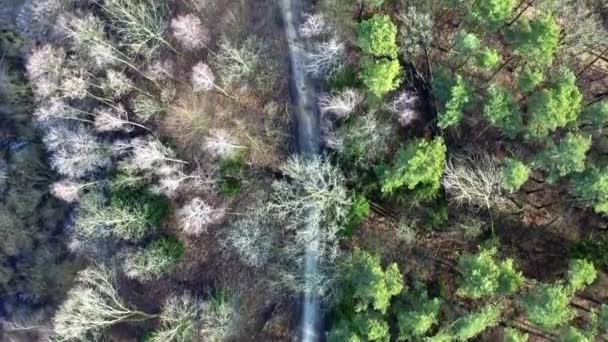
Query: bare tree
x=203, y=78
x=252, y=236
x=45, y=70
x=196, y=216
x=190, y=32
x=75, y=152
x=92, y=306
x=219, y=144
x=325, y=58
x=151, y=155
x=180, y=320
x=314, y=26
x=405, y=107
x=341, y=105
x=68, y=191
x=474, y=179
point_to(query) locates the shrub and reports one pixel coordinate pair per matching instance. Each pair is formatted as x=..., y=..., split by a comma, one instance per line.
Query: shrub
x=92, y=306
x=555, y=107
x=154, y=260
x=364, y=284
x=514, y=174
x=502, y=112
x=230, y=173
x=418, y=166
x=591, y=188
x=580, y=274
x=483, y=275
x=548, y=306
x=378, y=36
x=417, y=314
x=564, y=158
x=380, y=76
x=365, y=140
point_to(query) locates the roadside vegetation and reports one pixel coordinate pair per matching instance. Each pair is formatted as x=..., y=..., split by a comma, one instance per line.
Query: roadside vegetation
x=150, y=188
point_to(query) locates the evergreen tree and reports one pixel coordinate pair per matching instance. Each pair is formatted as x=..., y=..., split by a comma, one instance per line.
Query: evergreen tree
x=363, y=326
x=418, y=166
x=536, y=40
x=155, y=260
x=565, y=157
x=514, y=174
x=555, y=107
x=378, y=36
x=454, y=107
x=366, y=285
x=475, y=323
x=572, y=334
x=591, y=188
x=490, y=14
x=483, y=275
x=416, y=314
x=529, y=78
x=487, y=59
x=513, y=335
x=466, y=44
x=580, y=274
x=596, y=115
x=548, y=306
x=380, y=76
x=502, y=112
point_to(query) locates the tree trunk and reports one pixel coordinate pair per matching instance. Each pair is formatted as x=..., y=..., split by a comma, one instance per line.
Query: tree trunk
x=589, y=65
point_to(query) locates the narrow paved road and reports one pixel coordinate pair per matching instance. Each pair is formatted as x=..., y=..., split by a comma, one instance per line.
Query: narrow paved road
x=307, y=119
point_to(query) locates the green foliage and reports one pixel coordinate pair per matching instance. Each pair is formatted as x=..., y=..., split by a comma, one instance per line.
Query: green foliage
x=536, y=40
x=514, y=174
x=571, y=334
x=419, y=166
x=580, y=274
x=514, y=335
x=564, y=158
x=136, y=202
x=591, y=188
x=155, y=260
x=380, y=76
x=483, y=275
x=594, y=249
x=596, y=115
x=230, y=173
x=603, y=318
x=358, y=213
x=365, y=285
x=466, y=44
x=554, y=107
x=529, y=78
x=490, y=14
x=416, y=314
x=458, y=99
x=549, y=305
x=374, y=3
x=502, y=111
x=378, y=36
x=475, y=323
x=488, y=59
x=363, y=326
